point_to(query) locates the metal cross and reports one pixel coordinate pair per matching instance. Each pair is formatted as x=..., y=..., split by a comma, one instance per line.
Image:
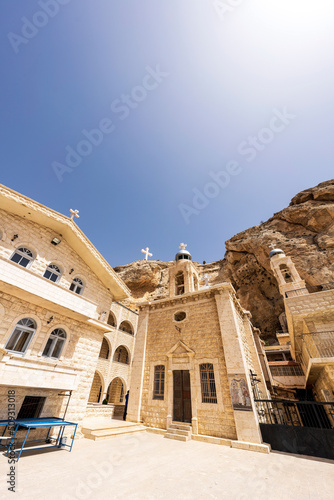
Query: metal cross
x=74, y=213
x=147, y=253
x=272, y=246
x=183, y=246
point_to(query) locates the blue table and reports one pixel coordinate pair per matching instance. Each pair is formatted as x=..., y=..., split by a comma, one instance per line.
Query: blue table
x=36, y=423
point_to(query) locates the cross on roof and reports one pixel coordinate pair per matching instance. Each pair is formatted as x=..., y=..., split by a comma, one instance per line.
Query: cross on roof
x=147, y=253
x=74, y=213
x=183, y=246
x=272, y=246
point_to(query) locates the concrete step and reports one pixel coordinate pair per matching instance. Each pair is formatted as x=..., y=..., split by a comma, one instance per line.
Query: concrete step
x=106, y=433
x=177, y=437
x=181, y=426
x=180, y=432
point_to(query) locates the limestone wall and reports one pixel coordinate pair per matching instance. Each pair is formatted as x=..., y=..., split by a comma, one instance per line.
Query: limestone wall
x=31, y=371
x=38, y=239
x=200, y=332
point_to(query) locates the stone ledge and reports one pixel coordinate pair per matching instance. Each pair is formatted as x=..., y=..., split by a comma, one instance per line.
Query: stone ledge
x=211, y=439
x=155, y=430
x=243, y=445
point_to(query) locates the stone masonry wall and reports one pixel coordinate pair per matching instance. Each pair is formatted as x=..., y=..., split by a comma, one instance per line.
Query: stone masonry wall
x=38, y=239
x=201, y=333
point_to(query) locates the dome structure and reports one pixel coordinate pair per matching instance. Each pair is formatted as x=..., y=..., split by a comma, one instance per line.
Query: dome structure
x=276, y=251
x=183, y=254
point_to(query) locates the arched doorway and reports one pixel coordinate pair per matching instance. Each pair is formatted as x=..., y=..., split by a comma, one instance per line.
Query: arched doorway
x=116, y=391
x=96, y=389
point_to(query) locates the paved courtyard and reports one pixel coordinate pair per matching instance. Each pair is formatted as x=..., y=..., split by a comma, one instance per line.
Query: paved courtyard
x=147, y=466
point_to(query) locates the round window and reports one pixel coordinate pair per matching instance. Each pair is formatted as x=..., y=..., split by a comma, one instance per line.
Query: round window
x=180, y=316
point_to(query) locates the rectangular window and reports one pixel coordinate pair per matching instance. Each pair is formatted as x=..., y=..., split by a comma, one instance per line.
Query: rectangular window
x=32, y=407
x=159, y=382
x=208, y=385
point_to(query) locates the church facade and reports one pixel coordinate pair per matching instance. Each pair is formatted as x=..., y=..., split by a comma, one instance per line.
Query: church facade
x=196, y=361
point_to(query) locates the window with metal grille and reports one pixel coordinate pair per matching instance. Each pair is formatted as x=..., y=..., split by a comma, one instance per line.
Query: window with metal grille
x=21, y=336
x=208, y=385
x=22, y=256
x=52, y=273
x=159, y=382
x=55, y=343
x=32, y=407
x=77, y=286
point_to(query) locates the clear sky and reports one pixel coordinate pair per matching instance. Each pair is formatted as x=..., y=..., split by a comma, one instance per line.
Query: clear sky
x=212, y=115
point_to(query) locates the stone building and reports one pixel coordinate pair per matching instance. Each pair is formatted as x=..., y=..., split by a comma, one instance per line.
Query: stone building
x=196, y=367
x=113, y=370
x=59, y=311
x=310, y=323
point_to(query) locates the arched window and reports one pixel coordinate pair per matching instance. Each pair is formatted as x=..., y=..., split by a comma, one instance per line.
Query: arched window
x=125, y=326
x=111, y=319
x=21, y=336
x=208, y=386
x=286, y=273
x=55, y=344
x=115, y=393
x=179, y=283
x=52, y=273
x=104, y=351
x=121, y=355
x=159, y=382
x=22, y=256
x=77, y=286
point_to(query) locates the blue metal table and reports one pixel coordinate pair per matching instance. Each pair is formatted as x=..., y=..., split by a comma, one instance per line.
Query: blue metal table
x=36, y=423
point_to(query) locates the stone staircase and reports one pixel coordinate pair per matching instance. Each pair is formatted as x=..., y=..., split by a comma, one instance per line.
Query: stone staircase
x=97, y=429
x=180, y=431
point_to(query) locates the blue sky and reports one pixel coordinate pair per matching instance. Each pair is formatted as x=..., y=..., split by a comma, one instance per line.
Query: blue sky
x=213, y=115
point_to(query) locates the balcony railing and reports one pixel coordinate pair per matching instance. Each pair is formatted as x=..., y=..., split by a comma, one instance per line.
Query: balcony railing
x=287, y=371
x=309, y=289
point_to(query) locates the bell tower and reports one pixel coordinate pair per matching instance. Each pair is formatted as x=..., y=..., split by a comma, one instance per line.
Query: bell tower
x=183, y=275
x=286, y=273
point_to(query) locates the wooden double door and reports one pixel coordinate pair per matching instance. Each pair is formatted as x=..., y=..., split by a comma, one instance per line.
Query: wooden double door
x=181, y=396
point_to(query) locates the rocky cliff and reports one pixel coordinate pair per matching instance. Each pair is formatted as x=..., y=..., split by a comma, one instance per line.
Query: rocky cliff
x=304, y=230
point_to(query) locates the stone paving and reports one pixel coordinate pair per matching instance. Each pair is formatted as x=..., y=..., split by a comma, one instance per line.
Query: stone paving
x=146, y=466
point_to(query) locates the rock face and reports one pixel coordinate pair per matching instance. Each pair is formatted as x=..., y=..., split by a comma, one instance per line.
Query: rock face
x=304, y=230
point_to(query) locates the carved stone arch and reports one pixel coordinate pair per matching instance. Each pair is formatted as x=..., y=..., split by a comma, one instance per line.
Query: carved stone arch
x=97, y=388
x=116, y=391
x=122, y=354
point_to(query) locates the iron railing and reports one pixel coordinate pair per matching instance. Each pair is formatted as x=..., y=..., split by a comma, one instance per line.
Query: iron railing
x=287, y=371
x=309, y=289
x=296, y=413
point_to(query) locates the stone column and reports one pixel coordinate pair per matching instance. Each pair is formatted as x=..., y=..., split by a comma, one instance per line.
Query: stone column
x=138, y=366
x=255, y=356
x=246, y=422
